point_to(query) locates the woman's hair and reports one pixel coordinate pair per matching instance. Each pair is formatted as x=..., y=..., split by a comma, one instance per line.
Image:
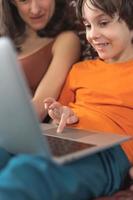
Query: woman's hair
x=12, y=25
x=124, y=9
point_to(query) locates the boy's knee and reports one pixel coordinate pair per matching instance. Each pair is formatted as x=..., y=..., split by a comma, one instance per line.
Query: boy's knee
x=4, y=158
x=29, y=163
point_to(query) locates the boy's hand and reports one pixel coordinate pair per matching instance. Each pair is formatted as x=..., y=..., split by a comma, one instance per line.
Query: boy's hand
x=61, y=115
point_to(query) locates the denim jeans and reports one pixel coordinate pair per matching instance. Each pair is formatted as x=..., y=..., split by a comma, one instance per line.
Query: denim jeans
x=31, y=177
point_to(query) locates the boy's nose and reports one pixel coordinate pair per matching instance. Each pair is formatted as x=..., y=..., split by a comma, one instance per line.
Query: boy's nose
x=92, y=34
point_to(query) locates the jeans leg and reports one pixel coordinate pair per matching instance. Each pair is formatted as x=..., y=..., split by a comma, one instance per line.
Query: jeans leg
x=4, y=158
x=35, y=178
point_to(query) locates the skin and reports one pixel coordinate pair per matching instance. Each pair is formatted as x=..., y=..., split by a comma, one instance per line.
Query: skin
x=66, y=49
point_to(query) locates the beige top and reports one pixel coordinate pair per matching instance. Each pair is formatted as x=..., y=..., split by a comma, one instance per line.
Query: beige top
x=36, y=65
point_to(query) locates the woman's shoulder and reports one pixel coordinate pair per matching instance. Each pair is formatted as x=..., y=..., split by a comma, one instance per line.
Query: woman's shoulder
x=66, y=38
x=67, y=34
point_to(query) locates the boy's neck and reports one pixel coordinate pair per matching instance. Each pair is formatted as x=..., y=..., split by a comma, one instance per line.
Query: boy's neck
x=122, y=59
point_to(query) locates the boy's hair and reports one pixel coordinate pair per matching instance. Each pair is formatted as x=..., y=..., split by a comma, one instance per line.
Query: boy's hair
x=12, y=25
x=124, y=9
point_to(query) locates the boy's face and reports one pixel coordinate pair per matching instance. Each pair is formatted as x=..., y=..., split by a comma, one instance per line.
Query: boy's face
x=35, y=13
x=110, y=37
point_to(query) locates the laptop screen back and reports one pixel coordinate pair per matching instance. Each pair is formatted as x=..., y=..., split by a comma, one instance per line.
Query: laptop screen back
x=17, y=116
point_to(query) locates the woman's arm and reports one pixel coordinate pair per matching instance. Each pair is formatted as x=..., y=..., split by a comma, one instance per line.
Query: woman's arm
x=66, y=51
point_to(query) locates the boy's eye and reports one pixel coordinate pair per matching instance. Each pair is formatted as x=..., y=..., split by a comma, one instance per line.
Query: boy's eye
x=22, y=1
x=87, y=25
x=103, y=23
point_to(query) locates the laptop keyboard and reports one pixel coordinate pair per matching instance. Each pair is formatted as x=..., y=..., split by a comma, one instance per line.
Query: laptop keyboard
x=60, y=147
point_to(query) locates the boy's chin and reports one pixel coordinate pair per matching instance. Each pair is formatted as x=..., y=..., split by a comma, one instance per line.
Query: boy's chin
x=105, y=58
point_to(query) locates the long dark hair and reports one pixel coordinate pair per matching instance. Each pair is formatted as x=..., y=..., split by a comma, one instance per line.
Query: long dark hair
x=12, y=25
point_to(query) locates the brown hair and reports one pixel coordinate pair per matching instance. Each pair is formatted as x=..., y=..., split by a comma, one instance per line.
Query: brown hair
x=12, y=25
x=124, y=8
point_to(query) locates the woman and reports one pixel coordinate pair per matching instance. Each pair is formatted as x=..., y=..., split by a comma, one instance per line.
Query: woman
x=46, y=49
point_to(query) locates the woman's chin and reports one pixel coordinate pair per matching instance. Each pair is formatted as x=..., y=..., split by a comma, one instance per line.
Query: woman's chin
x=37, y=27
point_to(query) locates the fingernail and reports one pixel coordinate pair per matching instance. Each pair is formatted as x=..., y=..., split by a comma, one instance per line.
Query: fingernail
x=58, y=130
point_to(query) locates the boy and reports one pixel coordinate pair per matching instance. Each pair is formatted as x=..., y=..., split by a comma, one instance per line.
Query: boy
x=97, y=93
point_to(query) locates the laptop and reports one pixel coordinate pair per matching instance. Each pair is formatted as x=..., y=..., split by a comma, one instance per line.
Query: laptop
x=20, y=129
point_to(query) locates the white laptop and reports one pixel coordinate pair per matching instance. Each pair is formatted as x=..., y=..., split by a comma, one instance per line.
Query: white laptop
x=20, y=130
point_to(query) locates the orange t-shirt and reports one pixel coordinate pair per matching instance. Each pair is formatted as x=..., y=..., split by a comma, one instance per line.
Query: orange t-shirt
x=101, y=94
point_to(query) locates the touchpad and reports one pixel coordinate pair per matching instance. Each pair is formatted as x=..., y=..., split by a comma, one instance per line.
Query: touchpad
x=69, y=133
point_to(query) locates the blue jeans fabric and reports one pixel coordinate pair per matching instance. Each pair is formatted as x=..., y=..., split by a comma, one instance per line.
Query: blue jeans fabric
x=27, y=177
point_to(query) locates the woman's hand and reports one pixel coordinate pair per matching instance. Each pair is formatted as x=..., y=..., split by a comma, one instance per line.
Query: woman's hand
x=62, y=115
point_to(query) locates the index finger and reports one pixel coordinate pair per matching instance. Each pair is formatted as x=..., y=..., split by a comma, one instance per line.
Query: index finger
x=63, y=122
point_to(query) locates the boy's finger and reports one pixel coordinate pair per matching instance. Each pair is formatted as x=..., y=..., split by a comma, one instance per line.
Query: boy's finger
x=62, y=123
x=55, y=105
x=46, y=105
x=54, y=115
x=48, y=101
